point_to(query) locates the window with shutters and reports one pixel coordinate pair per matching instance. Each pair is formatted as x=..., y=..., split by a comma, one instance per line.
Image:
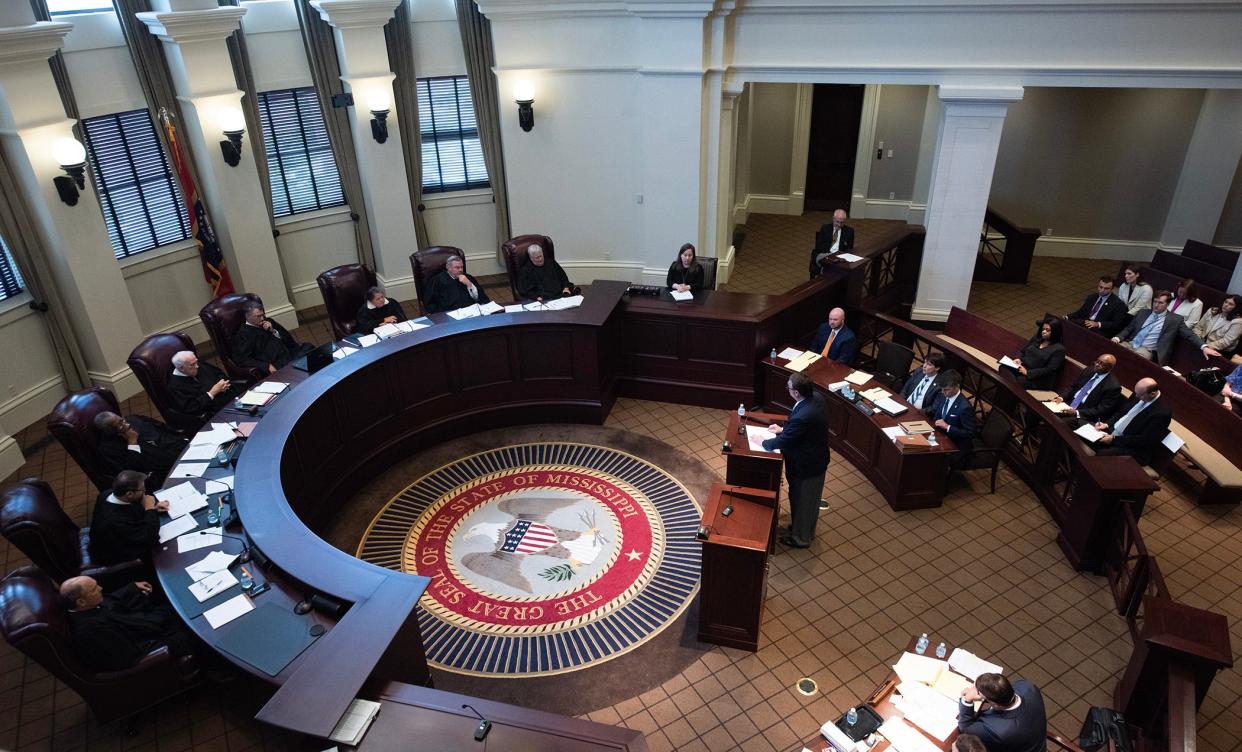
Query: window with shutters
x=452, y=154
x=10, y=279
x=299, y=157
x=67, y=7
x=142, y=205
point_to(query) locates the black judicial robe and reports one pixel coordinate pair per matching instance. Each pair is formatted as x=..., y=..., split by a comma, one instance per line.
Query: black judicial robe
x=545, y=281
x=160, y=448
x=188, y=394
x=117, y=633
x=255, y=347
x=445, y=293
x=369, y=318
x=122, y=532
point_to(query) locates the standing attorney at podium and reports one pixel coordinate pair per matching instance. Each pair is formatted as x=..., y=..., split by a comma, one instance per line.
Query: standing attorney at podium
x=804, y=442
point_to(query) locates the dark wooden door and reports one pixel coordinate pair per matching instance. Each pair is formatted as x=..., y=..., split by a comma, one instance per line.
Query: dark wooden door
x=836, y=111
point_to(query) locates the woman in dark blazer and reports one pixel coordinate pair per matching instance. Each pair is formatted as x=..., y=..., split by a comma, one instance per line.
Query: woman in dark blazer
x=685, y=274
x=1040, y=362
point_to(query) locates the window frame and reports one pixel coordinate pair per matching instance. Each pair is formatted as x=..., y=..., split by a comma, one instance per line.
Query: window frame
x=11, y=282
x=301, y=97
x=431, y=134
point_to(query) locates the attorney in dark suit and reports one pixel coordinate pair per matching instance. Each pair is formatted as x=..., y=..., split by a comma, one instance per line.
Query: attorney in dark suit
x=1102, y=311
x=1138, y=426
x=924, y=384
x=138, y=443
x=453, y=288
x=126, y=522
x=1156, y=329
x=1011, y=717
x=378, y=310
x=803, y=440
x=1094, y=394
x=953, y=414
x=1040, y=362
x=834, y=340
x=196, y=387
x=113, y=632
x=264, y=344
x=837, y=237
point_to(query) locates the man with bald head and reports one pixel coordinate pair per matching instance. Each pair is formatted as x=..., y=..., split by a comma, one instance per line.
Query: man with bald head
x=834, y=340
x=1138, y=426
x=113, y=632
x=197, y=388
x=1094, y=394
x=836, y=237
x=542, y=278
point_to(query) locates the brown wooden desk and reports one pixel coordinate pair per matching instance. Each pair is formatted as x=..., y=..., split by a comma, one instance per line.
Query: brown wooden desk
x=735, y=564
x=753, y=468
x=907, y=477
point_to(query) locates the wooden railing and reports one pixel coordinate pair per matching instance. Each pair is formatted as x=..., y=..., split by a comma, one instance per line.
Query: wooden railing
x=1005, y=250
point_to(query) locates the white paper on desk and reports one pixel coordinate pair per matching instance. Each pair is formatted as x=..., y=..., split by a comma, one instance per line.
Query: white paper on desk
x=514, y=308
x=560, y=304
x=800, y=363
x=221, y=434
x=912, y=667
x=210, y=564
x=837, y=386
x=1057, y=407
x=970, y=665
x=468, y=312
x=890, y=405
x=874, y=393
x=183, y=505
x=1089, y=432
x=839, y=740
x=255, y=398
x=176, y=526
x=228, y=611
x=755, y=436
x=893, y=432
x=199, y=539
x=1173, y=442
x=179, y=491
x=849, y=257
x=789, y=353
x=858, y=378
x=366, y=340
x=226, y=480
x=534, y=305
x=384, y=331
x=905, y=738
x=213, y=584
x=188, y=470
x=680, y=295
x=200, y=452
x=271, y=387
x=343, y=352
x=1005, y=360
x=490, y=307
x=929, y=710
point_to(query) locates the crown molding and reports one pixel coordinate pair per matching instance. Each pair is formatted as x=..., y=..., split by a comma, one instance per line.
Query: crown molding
x=356, y=14
x=182, y=26
x=38, y=41
x=980, y=94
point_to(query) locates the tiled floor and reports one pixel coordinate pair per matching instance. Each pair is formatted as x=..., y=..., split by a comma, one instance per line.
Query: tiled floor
x=982, y=571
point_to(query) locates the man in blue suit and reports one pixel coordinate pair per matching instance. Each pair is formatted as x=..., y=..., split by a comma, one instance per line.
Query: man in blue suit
x=953, y=414
x=804, y=442
x=834, y=340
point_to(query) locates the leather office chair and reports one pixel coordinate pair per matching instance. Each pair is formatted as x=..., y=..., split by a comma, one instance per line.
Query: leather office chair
x=34, y=621
x=997, y=431
x=32, y=520
x=892, y=363
x=151, y=362
x=72, y=422
x=428, y=263
x=221, y=317
x=516, y=254
x=709, y=264
x=344, y=289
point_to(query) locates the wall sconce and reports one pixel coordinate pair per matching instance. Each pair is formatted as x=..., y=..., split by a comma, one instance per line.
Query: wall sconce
x=377, y=102
x=233, y=123
x=524, y=93
x=70, y=154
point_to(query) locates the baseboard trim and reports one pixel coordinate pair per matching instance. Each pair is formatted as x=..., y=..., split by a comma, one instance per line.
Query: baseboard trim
x=724, y=268
x=766, y=203
x=883, y=208
x=31, y=405
x=928, y=314
x=1095, y=248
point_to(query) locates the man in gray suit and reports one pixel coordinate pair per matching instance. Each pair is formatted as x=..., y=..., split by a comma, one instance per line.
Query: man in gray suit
x=1157, y=329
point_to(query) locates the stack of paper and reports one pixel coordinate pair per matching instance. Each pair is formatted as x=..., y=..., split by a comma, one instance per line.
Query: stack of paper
x=800, y=363
x=1057, y=407
x=366, y=340
x=788, y=353
x=410, y=327
x=357, y=719
x=837, y=386
x=912, y=667
x=1005, y=360
x=228, y=611
x=890, y=405
x=970, y=665
x=518, y=308
x=188, y=470
x=678, y=295
x=927, y=709
x=874, y=394
x=560, y=304
x=849, y=258
x=199, y=539
x=905, y=738
x=755, y=436
x=893, y=432
x=270, y=387
x=386, y=331
x=210, y=564
x=177, y=526
x=534, y=305
x=1089, y=432
x=255, y=398
x=469, y=312
x=343, y=351
x=490, y=307
x=182, y=499
x=212, y=585
x=858, y=378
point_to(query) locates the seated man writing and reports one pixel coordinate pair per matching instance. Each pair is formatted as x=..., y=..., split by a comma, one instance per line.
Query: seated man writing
x=197, y=387
x=138, y=443
x=542, y=278
x=1010, y=718
x=377, y=311
x=264, y=344
x=1138, y=426
x=453, y=288
x=113, y=632
x=126, y=521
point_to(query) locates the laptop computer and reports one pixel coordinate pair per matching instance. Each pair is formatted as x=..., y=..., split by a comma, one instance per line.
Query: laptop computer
x=315, y=360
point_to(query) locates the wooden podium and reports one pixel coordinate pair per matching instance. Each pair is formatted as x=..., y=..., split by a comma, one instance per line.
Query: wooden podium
x=735, y=565
x=754, y=468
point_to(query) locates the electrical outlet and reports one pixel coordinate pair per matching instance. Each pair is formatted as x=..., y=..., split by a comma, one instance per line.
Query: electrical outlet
x=638, y=198
x=1049, y=233
x=892, y=196
x=881, y=146
x=890, y=153
x=607, y=255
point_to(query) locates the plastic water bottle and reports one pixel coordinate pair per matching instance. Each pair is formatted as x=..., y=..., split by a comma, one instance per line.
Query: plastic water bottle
x=931, y=438
x=741, y=411
x=940, y=650
x=920, y=647
x=851, y=716
x=773, y=355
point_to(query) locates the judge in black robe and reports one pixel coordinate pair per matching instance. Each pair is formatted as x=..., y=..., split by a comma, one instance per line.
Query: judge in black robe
x=542, y=278
x=377, y=311
x=197, y=388
x=264, y=344
x=126, y=522
x=138, y=443
x=447, y=291
x=113, y=632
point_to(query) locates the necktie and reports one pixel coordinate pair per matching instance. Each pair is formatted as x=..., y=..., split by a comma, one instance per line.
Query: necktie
x=836, y=236
x=1176, y=303
x=944, y=408
x=1099, y=303
x=1120, y=428
x=1146, y=332
x=828, y=344
x=1082, y=393
x=916, y=398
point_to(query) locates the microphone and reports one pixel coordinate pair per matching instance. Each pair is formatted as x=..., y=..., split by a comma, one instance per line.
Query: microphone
x=480, y=731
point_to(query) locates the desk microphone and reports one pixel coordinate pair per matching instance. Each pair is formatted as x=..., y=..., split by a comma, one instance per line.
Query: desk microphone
x=480, y=731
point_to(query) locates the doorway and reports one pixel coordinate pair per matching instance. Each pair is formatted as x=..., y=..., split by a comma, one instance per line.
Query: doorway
x=836, y=113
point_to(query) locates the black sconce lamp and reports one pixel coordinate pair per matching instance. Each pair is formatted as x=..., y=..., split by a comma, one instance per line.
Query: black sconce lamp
x=524, y=93
x=233, y=123
x=71, y=156
x=377, y=102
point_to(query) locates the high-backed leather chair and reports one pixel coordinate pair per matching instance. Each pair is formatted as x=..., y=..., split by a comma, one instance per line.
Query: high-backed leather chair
x=344, y=290
x=72, y=422
x=32, y=519
x=516, y=254
x=35, y=622
x=221, y=317
x=709, y=264
x=151, y=362
x=429, y=262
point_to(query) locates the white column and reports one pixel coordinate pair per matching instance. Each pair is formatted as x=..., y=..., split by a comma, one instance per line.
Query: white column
x=1207, y=171
x=363, y=54
x=970, y=131
x=927, y=156
x=866, y=146
x=725, y=182
x=194, y=40
x=88, y=277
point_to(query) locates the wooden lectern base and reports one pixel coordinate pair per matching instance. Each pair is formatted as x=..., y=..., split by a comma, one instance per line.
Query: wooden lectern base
x=735, y=565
